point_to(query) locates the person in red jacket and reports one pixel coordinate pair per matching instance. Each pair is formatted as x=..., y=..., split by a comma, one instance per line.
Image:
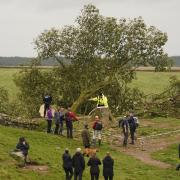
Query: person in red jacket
x=70, y=117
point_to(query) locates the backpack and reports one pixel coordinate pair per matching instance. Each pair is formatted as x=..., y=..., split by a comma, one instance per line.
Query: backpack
x=136, y=120
x=98, y=126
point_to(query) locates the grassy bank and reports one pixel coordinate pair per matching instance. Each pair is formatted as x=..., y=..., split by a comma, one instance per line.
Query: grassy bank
x=48, y=149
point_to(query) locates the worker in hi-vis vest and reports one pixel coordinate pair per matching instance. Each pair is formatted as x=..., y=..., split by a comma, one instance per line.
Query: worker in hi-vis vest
x=101, y=100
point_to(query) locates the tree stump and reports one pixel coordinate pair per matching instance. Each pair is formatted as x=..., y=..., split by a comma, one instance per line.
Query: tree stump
x=105, y=115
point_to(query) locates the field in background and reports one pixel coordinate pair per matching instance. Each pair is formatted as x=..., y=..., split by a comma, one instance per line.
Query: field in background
x=148, y=82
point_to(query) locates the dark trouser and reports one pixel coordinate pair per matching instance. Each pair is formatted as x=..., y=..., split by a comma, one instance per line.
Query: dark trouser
x=125, y=138
x=49, y=124
x=178, y=167
x=78, y=176
x=132, y=132
x=69, y=126
x=108, y=177
x=69, y=173
x=94, y=176
x=46, y=106
x=56, y=131
x=61, y=128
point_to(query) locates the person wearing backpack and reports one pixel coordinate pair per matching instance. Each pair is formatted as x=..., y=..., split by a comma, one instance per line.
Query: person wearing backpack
x=132, y=127
x=97, y=130
x=47, y=99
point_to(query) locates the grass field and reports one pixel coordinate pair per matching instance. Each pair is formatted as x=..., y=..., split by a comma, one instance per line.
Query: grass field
x=168, y=155
x=48, y=149
x=148, y=82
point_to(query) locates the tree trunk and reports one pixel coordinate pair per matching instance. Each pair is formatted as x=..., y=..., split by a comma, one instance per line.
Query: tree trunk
x=87, y=93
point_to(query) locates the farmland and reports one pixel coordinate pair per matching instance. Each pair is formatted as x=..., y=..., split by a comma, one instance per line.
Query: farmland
x=148, y=82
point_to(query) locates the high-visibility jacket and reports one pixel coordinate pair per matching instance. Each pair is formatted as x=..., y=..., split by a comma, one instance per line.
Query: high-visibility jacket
x=101, y=100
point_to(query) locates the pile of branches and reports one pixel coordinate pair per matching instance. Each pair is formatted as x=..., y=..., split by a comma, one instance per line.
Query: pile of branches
x=165, y=104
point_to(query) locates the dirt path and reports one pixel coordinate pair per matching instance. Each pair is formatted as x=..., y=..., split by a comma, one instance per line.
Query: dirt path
x=143, y=150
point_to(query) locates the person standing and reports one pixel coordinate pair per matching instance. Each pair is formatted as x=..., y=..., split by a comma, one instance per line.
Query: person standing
x=62, y=118
x=124, y=124
x=70, y=117
x=132, y=127
x=97, y=130
x=67, y=164
x=78, y=163
x=49, y=120
x=57, y=121
x=101, y=100
x=47, y=99
x=94, y=163
x=23, y=146
x=86, y=137
x=108, y=167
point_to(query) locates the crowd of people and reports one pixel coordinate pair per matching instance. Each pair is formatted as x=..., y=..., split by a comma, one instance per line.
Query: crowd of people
x=75, y=165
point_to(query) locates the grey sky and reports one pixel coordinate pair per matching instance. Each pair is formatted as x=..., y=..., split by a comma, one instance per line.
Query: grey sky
x=21, y=21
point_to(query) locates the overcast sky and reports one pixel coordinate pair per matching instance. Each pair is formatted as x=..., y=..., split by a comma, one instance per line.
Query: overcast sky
x=21, y=21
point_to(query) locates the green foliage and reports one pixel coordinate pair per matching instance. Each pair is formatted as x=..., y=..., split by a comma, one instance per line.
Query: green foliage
x=166, y=103
x=100, y=49
x=4, y=100
x=33, y=84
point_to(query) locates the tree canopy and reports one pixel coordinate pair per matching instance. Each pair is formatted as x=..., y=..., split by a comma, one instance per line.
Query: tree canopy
x=101, y=53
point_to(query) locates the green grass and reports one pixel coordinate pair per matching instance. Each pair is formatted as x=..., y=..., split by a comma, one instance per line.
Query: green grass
x=6, y=80
x=153, y=82
x=168, y=155
x=158, y=125
x=48, y=149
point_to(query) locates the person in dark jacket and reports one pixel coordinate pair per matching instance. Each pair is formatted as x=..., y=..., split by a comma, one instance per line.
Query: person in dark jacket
x=70, y=117
x=124, y=124
x=94, y=163
x=108, y=164
x=23, y=146
x=132, y=127
x=67, y=164
x=47, y=99
x=78, y=163
x=86, y=136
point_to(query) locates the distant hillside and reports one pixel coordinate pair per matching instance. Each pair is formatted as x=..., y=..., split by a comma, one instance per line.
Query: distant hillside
x=176, y=60
x=19, y=61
